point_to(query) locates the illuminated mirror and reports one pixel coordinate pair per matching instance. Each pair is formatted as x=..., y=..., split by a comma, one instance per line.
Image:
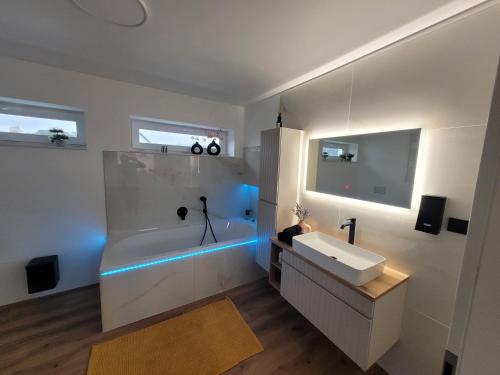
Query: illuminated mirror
x=377, y=167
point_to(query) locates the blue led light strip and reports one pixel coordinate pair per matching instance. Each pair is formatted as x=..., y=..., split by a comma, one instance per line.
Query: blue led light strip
x=179, y=257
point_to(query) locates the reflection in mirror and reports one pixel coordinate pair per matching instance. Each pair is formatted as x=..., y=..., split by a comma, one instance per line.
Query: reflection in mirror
x=378, y=167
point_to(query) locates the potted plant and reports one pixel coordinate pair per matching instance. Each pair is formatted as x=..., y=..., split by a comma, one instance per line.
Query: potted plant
x=58, y=137
x=302, y=213
x=346, y=157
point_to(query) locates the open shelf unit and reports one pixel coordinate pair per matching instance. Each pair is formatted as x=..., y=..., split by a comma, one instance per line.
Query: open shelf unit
x=275, y=262
x=275, y=266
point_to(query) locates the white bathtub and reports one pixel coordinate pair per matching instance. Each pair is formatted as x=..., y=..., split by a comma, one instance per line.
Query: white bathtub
x=147, y=272
x=159, y=243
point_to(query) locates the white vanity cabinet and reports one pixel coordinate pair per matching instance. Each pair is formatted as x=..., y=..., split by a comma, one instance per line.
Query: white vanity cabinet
x=364, y=322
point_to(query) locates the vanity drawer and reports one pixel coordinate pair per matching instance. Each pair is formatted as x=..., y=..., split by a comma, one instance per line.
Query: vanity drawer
x=355, y=300
x=344, y=326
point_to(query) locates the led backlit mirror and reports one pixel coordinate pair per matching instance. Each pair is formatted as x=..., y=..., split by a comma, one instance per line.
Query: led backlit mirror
x=378, y=167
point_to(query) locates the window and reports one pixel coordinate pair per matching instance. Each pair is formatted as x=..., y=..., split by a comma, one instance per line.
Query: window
x=338, y=151
x=29, y=122
x=332, y=151
x=179, y=137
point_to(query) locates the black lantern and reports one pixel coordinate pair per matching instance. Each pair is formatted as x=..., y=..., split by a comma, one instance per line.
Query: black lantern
x=213, y=148
x=196, y=149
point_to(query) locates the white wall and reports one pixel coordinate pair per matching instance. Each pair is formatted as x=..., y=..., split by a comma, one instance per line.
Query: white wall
x=440, y=81
x=260, y=116
x=482, y=339
x=52, y=200
x=474, y=333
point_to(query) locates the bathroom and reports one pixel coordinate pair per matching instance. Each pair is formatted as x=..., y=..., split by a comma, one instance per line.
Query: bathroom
x=118, y=231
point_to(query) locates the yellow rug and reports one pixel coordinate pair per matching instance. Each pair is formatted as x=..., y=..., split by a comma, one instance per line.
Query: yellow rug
x=208, y=340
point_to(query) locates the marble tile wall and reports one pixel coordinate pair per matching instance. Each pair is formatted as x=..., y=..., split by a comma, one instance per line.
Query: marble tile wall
x=144, y=190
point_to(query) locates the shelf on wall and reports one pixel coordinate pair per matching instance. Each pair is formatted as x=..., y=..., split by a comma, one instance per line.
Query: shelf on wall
x=42, y=145
x=275, y=266
x=275, y=284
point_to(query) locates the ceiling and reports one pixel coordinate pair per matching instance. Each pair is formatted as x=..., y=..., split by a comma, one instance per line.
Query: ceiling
x=226, y=50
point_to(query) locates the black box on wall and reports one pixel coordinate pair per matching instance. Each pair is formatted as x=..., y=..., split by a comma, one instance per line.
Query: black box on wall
x=42, y=273
x=430, y=215
x=458, y=225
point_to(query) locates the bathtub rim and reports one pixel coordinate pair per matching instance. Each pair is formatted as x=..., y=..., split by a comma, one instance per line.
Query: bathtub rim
x=106, y=265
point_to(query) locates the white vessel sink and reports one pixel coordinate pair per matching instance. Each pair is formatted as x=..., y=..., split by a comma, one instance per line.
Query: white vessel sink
x=349, y=262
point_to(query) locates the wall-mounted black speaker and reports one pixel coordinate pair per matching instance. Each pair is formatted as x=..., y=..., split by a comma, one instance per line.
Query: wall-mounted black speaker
x=430, y=215
x=42, y=273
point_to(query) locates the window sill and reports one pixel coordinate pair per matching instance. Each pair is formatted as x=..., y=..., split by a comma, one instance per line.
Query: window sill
x=337, y=160
x=143, y=151
x=41, y=145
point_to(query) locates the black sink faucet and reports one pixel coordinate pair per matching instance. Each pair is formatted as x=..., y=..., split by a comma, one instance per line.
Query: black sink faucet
x=351, y=223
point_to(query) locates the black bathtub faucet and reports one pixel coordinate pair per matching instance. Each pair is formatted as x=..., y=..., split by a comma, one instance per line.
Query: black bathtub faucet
x=204, y=200
x=182, y=212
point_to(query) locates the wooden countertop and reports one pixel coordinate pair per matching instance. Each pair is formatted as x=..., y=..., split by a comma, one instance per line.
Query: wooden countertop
x=371, y=290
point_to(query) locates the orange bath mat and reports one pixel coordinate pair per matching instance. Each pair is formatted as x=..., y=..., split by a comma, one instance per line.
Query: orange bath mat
x=206, y=341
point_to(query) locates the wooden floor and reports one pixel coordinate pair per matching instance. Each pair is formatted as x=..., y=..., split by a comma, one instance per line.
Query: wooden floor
x=53, y=335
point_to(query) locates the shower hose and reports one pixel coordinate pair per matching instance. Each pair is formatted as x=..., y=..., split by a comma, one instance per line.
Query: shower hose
x=207, y=221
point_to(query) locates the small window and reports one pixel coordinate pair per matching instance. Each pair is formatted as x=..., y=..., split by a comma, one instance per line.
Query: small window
x=332, y=151
x=30, y=122
x=151, y=135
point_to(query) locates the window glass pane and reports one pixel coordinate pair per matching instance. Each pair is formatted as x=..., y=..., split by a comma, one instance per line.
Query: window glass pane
x=174, y=139
x=332, y=151
x=35, y=125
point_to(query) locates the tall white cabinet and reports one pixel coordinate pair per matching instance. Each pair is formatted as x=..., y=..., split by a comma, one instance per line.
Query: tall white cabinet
x=280, y=160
